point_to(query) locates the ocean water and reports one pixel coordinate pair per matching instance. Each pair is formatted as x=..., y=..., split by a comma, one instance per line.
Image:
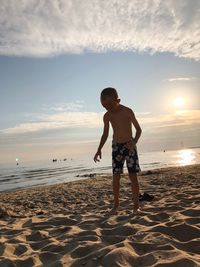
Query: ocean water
x=46, y=172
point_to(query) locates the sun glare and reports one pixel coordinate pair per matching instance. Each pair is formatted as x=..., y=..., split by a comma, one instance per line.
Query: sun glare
x=186, y=157
x=179, y=102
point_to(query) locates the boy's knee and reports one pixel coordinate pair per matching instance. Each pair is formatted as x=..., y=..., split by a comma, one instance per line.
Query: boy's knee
x=116, y=176
x=133, y=177
x=132, y=174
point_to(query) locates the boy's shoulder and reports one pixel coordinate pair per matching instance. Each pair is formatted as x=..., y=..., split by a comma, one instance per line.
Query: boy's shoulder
x=106, y=115
x=128, y=111
x=127, y=108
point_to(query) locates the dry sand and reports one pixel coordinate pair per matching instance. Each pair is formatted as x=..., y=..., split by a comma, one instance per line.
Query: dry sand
x=69, y=224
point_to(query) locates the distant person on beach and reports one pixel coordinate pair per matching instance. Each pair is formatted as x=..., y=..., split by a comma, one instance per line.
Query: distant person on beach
x=123, y=144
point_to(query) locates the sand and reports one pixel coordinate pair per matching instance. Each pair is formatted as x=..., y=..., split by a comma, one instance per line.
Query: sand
x=69, y=224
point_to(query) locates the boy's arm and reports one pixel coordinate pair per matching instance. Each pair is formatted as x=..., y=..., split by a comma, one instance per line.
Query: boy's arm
x=137, y=126
x=105, y=132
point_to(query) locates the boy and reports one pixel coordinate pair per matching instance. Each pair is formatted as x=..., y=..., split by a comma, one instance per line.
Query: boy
x=123, y=144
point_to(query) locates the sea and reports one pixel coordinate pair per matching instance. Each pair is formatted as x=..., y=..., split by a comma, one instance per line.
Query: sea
x=45, y=172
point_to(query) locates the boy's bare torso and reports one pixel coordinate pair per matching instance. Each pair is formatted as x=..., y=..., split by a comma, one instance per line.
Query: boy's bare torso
x=121, y=123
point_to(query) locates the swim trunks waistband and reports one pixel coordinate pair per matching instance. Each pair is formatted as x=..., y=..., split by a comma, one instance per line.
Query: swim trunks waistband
x=113, y=141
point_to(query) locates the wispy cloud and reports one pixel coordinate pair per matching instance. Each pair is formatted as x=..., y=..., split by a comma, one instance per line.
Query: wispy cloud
x=47, y=28
x=146, y=113
x=181, y=79
x=58, y=116
x=45, y=121
x=153, y=122
x=57, y=121
x=69, y=106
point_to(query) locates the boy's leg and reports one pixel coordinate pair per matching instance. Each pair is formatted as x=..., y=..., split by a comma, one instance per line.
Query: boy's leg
x=133, y=166
x=135, y=190
x=116, y=188
x=117, y=168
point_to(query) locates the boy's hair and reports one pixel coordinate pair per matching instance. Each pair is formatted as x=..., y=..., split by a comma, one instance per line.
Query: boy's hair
x=109, y=92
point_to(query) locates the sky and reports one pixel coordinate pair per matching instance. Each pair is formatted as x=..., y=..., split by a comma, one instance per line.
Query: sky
x=57, y=56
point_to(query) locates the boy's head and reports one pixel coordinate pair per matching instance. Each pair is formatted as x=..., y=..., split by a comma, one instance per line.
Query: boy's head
x=109, y=98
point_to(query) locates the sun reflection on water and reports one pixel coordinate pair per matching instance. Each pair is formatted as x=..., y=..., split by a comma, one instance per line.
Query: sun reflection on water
x=186, y=157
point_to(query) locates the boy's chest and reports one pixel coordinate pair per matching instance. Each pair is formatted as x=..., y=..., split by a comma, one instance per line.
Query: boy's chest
x=121, y=118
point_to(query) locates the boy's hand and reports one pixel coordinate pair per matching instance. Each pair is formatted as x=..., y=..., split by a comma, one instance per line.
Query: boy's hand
x=131, y=144
x=96, y=155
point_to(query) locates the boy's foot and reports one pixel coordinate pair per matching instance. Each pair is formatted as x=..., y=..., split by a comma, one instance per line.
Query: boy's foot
x=136, y=210
x=114, y=210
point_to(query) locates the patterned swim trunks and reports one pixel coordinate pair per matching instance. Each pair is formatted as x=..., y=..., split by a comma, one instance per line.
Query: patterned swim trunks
x=120, y=153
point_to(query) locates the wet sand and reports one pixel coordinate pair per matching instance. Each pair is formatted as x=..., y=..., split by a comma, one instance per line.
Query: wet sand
x=69, y=224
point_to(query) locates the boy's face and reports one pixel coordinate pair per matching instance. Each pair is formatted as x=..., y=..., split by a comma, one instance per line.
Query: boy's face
x=109, y=103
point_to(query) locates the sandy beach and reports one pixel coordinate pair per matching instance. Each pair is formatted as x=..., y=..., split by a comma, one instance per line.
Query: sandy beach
x=69, y=224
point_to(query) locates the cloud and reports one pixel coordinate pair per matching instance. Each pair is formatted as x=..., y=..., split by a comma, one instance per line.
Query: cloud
x=161, y=122
x=65, y=106
x=58, y=116
x=79, y=119
x=146, y=113
x=57, y=121
x=181, y=79
x=48, y=28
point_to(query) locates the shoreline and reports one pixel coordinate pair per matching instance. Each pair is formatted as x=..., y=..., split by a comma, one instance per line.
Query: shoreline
x=68, y=224
x=93, y=175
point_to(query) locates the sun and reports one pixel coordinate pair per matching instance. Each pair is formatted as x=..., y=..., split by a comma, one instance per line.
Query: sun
x=179, y=102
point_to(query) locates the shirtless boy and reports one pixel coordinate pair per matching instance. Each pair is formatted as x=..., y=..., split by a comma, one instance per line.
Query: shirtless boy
x=123, y=144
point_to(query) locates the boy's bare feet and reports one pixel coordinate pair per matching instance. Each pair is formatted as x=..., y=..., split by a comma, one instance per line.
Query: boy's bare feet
x=136, y=211
x=136, y=208
x=114, y=210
